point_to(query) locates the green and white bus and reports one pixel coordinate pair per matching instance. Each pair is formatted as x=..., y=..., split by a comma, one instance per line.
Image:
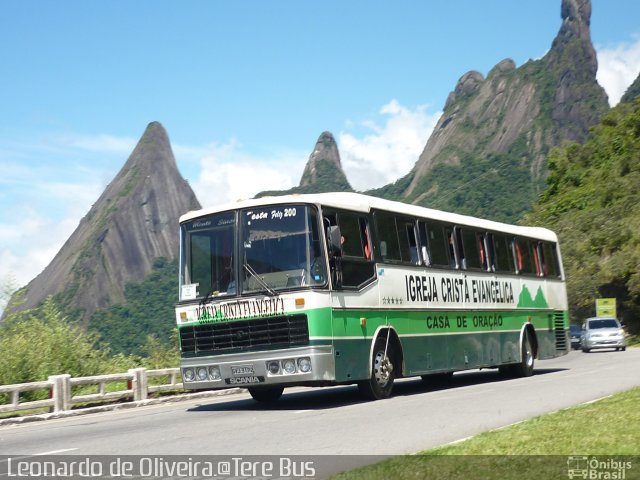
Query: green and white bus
x=343, y=288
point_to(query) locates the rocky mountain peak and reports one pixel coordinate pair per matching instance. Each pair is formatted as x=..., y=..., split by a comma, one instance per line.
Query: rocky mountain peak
x=504, y=125
x=131, y=224
x=576, y=20
x=324, y=161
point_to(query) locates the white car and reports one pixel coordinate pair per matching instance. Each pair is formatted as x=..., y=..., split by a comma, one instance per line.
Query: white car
x=601, y=332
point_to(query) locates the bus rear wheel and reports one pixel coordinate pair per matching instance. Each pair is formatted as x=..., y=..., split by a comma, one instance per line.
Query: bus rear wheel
x=266, y=394
x=525, y=367
x=380, y=383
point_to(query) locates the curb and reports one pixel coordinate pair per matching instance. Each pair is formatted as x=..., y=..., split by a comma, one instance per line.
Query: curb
x=119, y=406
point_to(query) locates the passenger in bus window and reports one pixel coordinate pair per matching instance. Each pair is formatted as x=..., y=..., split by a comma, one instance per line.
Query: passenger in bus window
x=519, y=262
x=365, y=240
x=482, y=253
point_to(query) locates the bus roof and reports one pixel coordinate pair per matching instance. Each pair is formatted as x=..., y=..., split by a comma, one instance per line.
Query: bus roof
x=365, y=203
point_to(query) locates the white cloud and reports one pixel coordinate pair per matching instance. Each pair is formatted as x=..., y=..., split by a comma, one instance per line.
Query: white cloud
x=98, y=143
x=228, y=173
x=44, y=194
x=618, y=67
x=31, y=240
x=390, y=148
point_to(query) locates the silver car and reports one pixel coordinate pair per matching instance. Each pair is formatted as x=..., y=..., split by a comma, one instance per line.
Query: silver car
x=601, y=332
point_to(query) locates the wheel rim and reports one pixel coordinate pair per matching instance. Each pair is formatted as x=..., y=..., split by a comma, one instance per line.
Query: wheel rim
x=382, y=368
x=528, y=352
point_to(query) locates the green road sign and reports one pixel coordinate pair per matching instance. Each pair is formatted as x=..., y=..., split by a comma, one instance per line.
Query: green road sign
x=606, y=307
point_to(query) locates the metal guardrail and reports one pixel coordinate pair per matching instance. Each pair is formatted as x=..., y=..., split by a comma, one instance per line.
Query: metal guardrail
x=61, y=397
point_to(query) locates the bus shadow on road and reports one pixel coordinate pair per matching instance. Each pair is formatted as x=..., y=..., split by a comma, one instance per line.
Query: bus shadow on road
x=341, y=396
x=460, y=379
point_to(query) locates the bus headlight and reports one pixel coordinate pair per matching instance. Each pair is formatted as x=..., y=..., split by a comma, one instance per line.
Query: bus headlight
x=188, y=374
x=304, y=364
x=289, y=366
x=202, y=374
x=214, y=373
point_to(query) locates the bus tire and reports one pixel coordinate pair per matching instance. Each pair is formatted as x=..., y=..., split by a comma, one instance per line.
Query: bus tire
x=380, y=383
x=525, y=367
x=266, y=394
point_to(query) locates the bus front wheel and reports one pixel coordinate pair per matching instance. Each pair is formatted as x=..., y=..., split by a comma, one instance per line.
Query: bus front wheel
x=266, y=394
x=380, y=383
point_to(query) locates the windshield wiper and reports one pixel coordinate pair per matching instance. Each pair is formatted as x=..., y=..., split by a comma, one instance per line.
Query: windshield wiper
x=270, y=291
x=207, y=298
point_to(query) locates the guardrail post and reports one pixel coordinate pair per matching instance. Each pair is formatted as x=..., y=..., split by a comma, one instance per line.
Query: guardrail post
x=139, y=383
x=61, y=392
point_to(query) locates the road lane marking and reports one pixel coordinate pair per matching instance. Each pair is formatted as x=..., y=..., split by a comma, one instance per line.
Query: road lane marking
x=53, y=452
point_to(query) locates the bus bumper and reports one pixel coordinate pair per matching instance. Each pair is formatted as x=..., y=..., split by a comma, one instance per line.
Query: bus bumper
x=303, y=365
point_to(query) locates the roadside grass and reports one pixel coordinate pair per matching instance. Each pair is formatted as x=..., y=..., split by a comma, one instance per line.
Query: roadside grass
x=543, y=447
x=633, y=341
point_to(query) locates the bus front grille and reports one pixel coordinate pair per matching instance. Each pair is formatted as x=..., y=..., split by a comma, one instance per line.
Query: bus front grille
x=245, y=335
x=560, y=332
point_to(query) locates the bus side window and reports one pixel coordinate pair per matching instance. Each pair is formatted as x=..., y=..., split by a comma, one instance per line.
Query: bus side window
x=424, y=243
x=388, y=236
x=504, y=260
x=438, y=244
x=458, y=249
x=408, y=244
x=352, y=242
x=550, y=259
x=524, y=257
x=537, y=258
x=414, y=255
x=472, y=249
x=356, y=264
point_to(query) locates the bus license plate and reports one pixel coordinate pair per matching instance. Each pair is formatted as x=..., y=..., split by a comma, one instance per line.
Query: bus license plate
x=242, y=370
x=244, y=380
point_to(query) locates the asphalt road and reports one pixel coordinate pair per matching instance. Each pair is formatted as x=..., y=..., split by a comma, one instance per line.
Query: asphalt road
x=334, y=421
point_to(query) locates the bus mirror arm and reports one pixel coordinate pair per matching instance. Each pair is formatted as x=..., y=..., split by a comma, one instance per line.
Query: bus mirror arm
x=336, y=271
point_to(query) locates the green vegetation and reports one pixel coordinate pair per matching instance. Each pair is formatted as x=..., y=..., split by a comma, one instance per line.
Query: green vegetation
x=498, y=186
x=43, y=341
x=632, y=92
x=537, y=448
x=148, y=309
x=592, y=203
x=327, y=179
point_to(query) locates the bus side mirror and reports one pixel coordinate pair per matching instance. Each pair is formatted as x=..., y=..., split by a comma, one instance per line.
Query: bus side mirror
x=333, y=237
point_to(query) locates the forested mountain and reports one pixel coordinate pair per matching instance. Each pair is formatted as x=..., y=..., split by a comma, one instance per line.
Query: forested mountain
x=592, y=203
x=323, y=171
x=632, y=92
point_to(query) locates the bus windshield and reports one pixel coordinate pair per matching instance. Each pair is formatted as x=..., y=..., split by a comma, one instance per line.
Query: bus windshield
x=207, y=266
x=280, y=249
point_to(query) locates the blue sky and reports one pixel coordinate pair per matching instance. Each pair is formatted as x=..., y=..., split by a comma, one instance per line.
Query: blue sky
x=244, y=89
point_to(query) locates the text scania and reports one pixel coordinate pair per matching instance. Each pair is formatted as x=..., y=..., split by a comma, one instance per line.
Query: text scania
x=426, y=288
x=241, y=309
